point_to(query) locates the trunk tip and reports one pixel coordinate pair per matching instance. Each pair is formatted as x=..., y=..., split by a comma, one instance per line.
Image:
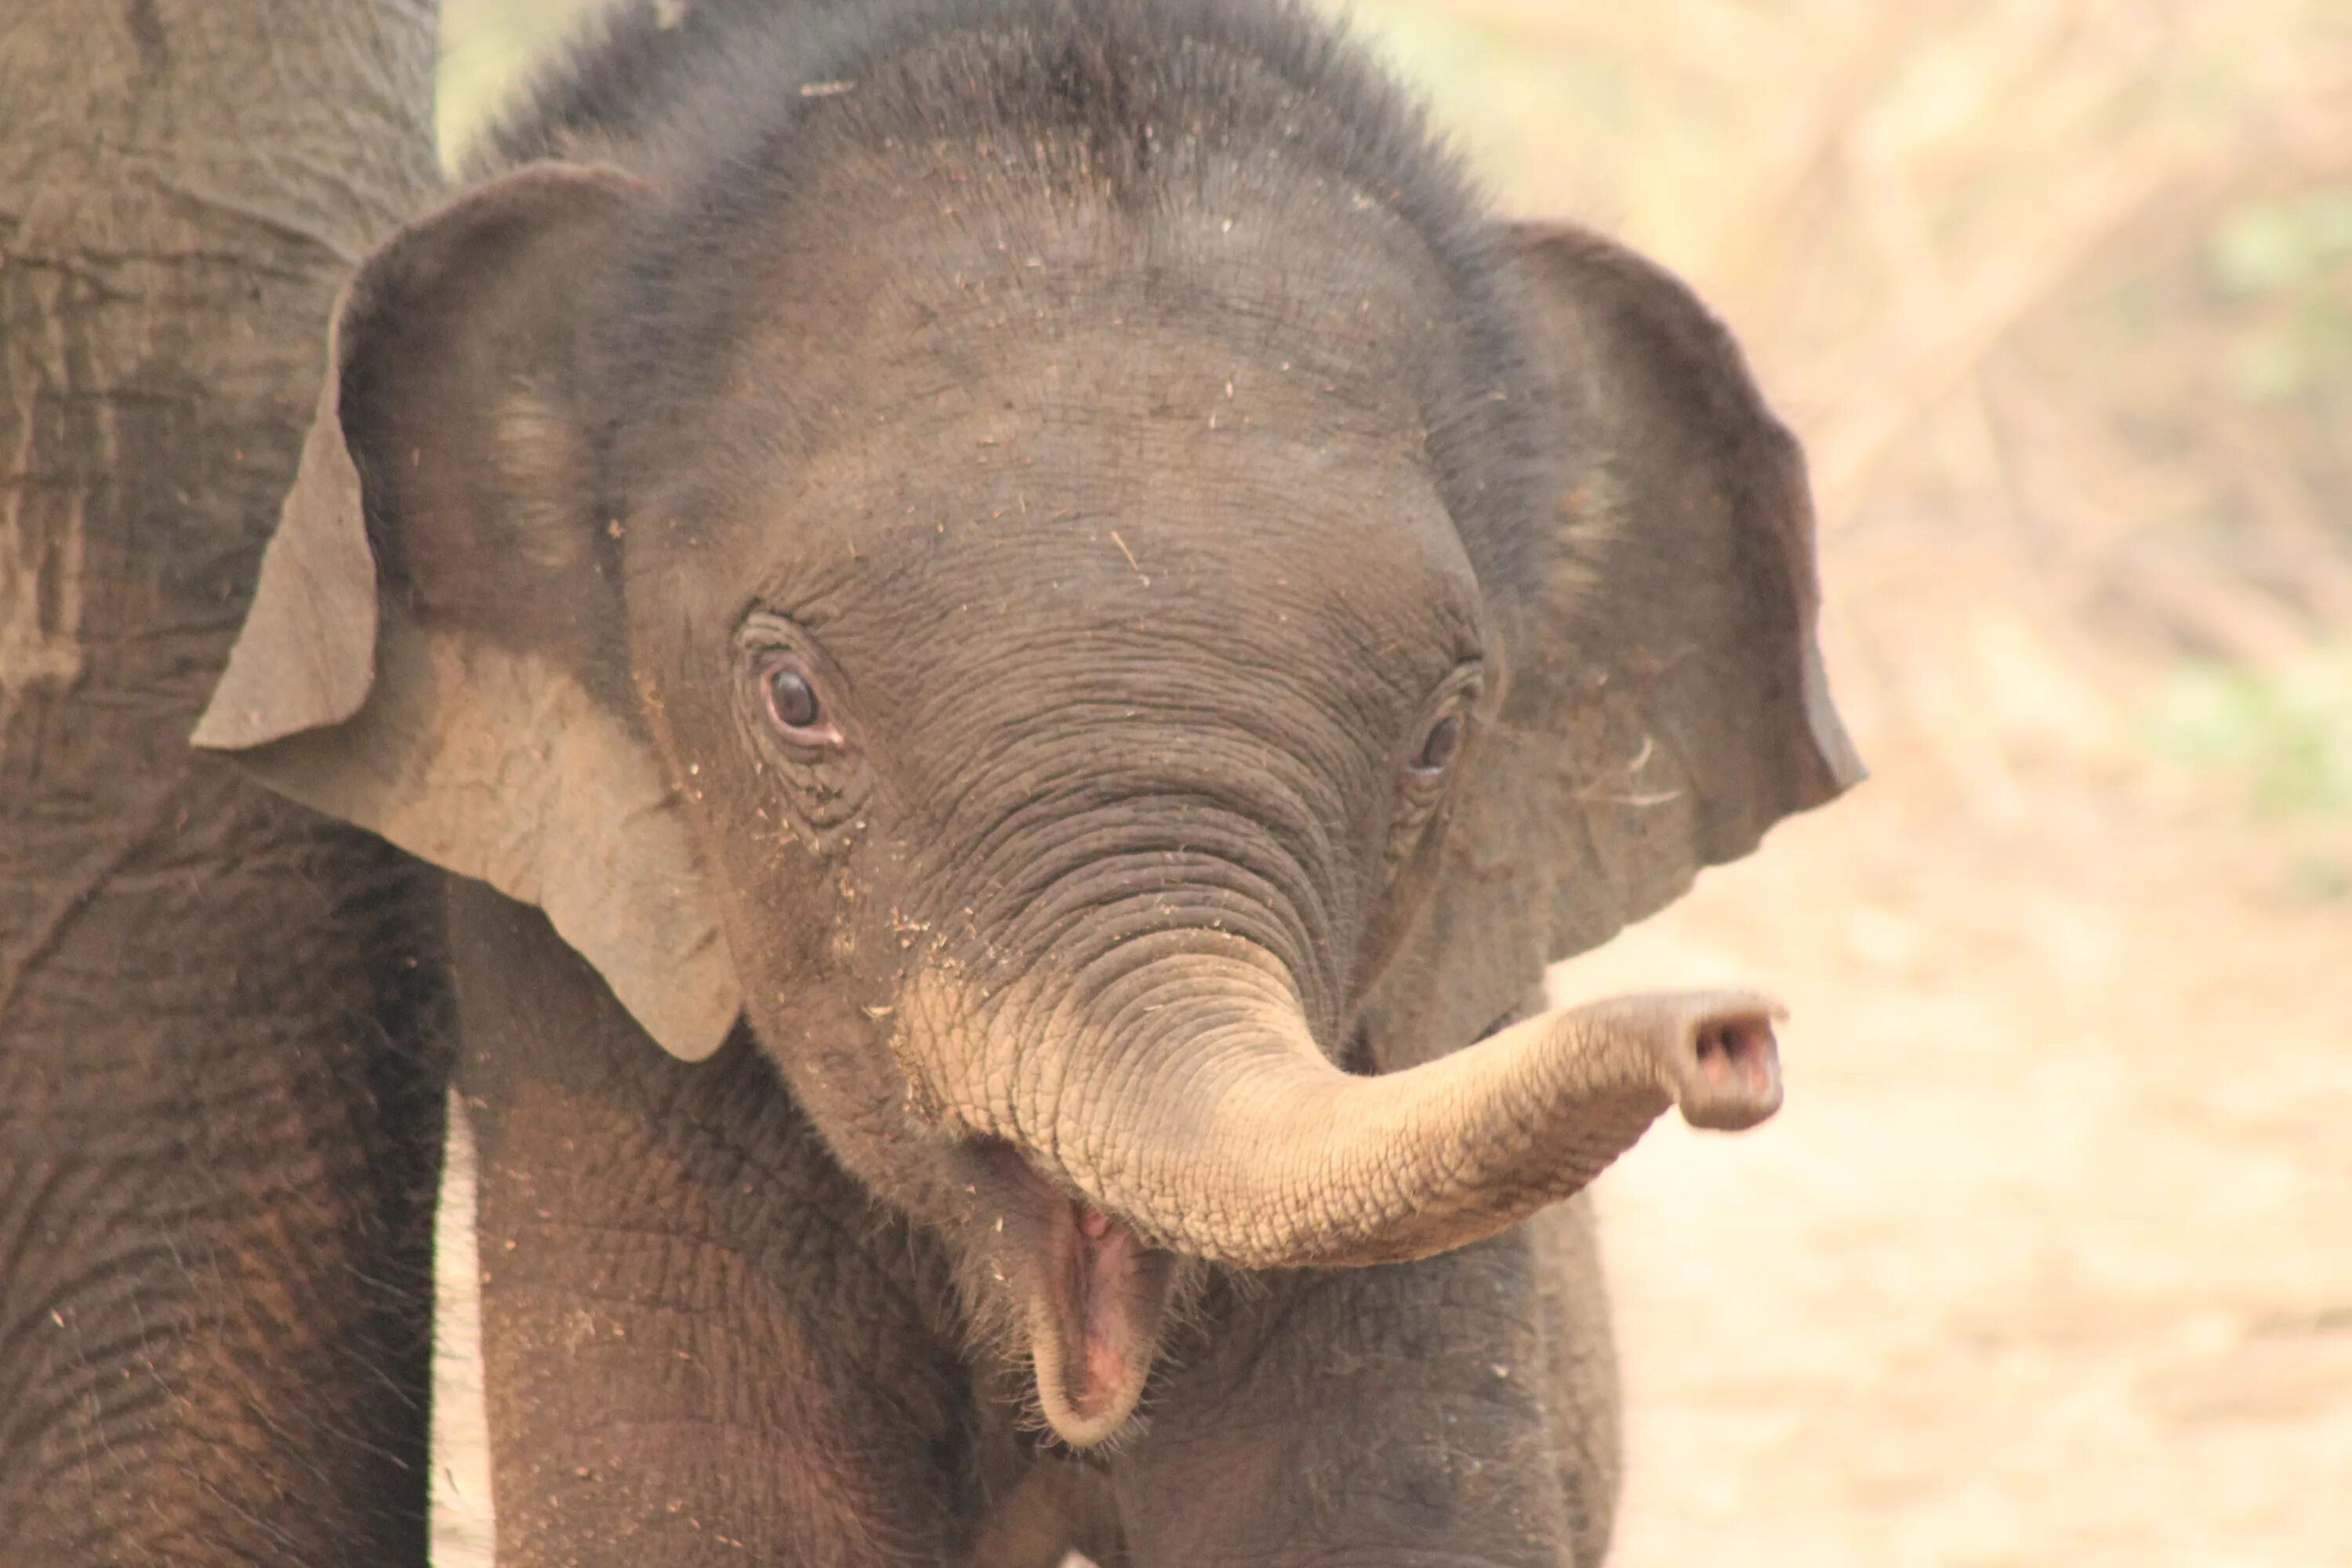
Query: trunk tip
x=1724, y=1067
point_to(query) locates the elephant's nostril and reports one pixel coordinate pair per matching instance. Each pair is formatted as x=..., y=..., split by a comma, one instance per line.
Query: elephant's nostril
x=1736, y=1053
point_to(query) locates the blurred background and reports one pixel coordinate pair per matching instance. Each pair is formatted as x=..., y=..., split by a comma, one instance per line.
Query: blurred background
x=2049, y=1261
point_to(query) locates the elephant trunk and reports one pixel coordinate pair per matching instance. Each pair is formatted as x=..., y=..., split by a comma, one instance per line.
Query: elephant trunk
x=1234, y=1139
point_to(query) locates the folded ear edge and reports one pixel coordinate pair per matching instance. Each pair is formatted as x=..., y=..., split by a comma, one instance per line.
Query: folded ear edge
x=305, y=658
x=338, y=697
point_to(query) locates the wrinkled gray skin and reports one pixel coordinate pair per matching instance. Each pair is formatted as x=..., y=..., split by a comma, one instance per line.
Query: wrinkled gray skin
x=220, y=1093
x=1050, y=560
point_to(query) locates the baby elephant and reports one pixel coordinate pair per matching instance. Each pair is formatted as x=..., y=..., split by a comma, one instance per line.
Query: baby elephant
x=1016, y=616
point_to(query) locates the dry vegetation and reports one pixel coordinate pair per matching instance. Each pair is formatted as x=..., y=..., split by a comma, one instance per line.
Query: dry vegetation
x=2050, y=1260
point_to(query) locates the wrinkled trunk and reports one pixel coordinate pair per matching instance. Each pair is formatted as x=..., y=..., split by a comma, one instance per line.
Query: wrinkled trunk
x=1236, y=1140
x=217, y=1128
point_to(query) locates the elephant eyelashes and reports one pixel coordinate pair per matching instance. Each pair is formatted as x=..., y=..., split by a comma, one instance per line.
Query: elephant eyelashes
x=789, y=709
x=1426, y=778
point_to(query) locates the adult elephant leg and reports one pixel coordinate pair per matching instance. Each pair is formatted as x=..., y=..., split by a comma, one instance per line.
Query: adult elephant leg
x=1426, y=1413
x=703, y=1342
x=218, y=1128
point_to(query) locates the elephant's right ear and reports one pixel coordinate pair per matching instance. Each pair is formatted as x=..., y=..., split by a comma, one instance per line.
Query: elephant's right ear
x=434, y=650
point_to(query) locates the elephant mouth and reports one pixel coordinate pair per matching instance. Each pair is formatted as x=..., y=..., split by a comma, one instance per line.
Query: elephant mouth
x=1094, y=1327
x=1091, y=1295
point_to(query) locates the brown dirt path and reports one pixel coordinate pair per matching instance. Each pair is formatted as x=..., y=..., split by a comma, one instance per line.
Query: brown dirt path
x=2049, y=1260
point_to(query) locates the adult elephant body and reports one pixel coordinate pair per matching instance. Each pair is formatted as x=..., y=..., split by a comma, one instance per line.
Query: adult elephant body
x=219, y=1100
x=1037, y=595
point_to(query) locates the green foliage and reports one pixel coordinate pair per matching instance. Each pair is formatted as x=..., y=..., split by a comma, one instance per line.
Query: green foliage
x=2266, y=247
x=2285, y=264
x=2286, y=733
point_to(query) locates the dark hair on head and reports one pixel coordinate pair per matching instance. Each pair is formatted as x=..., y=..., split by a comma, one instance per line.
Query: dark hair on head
x=733, y=106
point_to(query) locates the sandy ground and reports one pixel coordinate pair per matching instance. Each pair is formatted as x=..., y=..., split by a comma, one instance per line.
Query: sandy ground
x=461, y=1453
x=2049, y=1260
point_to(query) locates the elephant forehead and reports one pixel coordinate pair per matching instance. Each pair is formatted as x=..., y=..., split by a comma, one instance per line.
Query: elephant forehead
x=953, y=258
x=1236, y=383
x=1109, y=490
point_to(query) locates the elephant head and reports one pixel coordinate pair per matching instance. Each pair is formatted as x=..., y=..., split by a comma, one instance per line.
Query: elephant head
x=1114, y=649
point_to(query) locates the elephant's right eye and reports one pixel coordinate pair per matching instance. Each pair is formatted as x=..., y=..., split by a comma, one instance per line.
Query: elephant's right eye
x=792, y=706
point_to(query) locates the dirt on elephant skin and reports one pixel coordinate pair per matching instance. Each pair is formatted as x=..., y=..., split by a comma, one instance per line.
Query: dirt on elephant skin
x=2048, y=1261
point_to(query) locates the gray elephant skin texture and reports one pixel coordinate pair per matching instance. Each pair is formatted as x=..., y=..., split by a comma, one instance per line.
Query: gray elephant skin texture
x=1023, y=626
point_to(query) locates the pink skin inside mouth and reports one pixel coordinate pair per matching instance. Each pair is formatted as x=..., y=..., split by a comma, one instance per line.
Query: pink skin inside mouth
x=1092, y=1294
x=1104, y=1345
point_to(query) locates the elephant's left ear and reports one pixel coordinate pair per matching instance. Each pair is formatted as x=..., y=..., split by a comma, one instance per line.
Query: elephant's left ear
x=434, y=648
x=1666, y=703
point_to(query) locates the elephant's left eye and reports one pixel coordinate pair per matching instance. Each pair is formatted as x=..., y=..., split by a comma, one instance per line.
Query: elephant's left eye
x=1439, y=747
x=1445, y=730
